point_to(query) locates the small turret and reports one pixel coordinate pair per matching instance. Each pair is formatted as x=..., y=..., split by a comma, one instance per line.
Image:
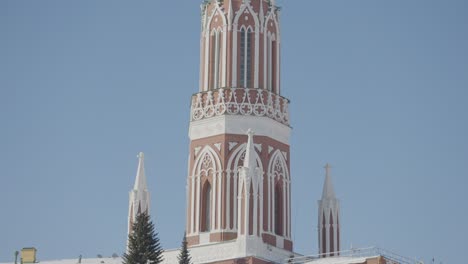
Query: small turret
x=139, y=198
x=328, y=219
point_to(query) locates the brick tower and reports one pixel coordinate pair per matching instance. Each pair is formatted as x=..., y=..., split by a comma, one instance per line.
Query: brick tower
x=239, y=185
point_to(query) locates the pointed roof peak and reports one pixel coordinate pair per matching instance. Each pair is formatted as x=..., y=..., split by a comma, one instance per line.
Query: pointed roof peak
x=250, y=161
x=328, y=190
x=140, y=180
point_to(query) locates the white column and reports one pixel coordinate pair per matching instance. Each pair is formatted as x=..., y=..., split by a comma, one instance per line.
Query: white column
x=247, y=207
x=192, y=204
x=273, y=204
x=239, y=209
x=277, y=65
x=287, y=205
x=197, y=205
x=269, y=202
x=228, y=199
x=261, y=205
x=236, y=200
x=255, y=207
x=220, y=191
x=284, y=207
x=265, y=48
x=213, y=202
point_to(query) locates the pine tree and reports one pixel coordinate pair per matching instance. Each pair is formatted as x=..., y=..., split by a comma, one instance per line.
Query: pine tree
x=184, y=256
x=143, y=243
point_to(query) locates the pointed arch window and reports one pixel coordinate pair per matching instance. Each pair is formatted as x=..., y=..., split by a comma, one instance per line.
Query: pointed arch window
x=278, y=209
x=215, y=61
x=245, y=78
x=206, y=208
x=271, y=62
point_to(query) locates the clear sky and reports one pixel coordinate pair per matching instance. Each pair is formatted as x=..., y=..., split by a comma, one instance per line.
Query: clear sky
x=378, y=88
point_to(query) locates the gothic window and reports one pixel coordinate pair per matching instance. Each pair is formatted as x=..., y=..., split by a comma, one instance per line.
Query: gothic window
x=246, y=37
x=273, y=66
x=215, y=47
x=206, y=208
x=271, y=62
x=278, y=209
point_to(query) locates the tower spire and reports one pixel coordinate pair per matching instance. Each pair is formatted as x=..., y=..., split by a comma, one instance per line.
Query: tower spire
x=139, y=197
x=250, y=161
x=140, y=179
x=328, y=218
x=328, y=190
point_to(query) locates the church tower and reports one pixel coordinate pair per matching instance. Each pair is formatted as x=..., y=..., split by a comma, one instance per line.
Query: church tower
x=328, y=219
x=239, y=185
x=139, y=200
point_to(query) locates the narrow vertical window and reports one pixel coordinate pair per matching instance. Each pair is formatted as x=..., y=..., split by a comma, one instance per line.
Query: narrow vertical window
x=245, y=76
x=278, y=210
x=248, y=61
x=214, y=60
x=242, y=58
x=273, y=66
x=206, y=208
x=269, y=62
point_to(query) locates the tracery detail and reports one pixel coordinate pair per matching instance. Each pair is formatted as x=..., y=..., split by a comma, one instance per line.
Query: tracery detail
x=236, y=101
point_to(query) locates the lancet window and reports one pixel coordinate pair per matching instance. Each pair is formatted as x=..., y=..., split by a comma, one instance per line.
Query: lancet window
x=206, y=208
x=246, y=39
x=215, y=59
x=271, y=62
x=278, y=209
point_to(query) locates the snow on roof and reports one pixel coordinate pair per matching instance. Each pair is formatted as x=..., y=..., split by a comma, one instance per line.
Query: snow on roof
x=83, y=261
x=340, y=260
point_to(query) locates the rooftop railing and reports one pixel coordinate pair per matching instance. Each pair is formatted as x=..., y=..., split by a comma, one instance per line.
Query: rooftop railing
x=240, y=101
x=343, y=257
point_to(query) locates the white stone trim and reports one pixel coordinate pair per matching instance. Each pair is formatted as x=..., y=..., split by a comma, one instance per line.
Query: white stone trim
x=192, y=205
x=233, y=124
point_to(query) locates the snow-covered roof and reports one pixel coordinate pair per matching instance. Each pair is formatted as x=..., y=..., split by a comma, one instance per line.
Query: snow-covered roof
x=83, y=261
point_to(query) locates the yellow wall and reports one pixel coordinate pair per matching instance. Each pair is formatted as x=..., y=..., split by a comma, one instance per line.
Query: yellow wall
x=28, y=255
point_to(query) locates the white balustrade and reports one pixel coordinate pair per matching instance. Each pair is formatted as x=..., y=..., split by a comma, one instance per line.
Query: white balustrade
x=240, y=101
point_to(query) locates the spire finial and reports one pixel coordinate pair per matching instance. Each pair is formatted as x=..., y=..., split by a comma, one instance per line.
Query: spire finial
x=328, y=191
x=327, y=169
x=250, y=160
x=140, y=181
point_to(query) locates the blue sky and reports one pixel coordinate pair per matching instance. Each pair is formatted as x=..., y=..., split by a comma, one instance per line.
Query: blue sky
x=378, y=88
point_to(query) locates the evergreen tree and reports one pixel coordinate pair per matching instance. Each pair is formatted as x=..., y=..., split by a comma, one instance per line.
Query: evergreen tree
x=184, y=256
x=143, y=243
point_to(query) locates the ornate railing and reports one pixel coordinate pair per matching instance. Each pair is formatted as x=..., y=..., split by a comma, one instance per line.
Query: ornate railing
x=346, y=255
x=240, y=101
